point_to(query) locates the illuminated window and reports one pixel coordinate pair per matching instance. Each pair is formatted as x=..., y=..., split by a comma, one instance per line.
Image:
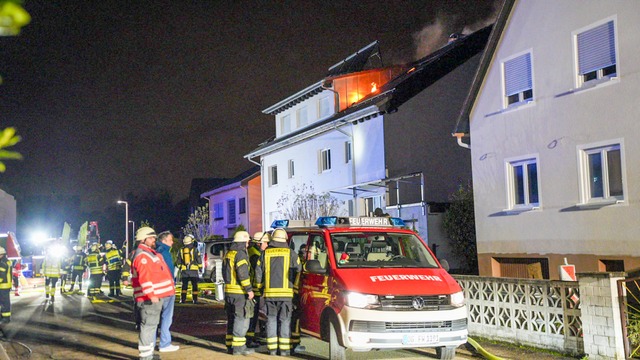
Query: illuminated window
x=292, y=169
x=218, y=211
x=347, y=151
x=325, y=160
x=231, y=210
x=303, y=119
x=242, y=205
x=596, y=49
x=518, y=80
x=285, y=124
x=273, y=175
x=602, y=175
x=523, y=183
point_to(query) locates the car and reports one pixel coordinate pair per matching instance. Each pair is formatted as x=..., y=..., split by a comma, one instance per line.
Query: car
x=213, y=253
x=370, y=283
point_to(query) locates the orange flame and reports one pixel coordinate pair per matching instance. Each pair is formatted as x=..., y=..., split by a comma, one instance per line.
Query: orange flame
x=374, y=87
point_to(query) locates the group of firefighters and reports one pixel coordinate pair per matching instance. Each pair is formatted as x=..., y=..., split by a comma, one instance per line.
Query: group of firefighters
x=268, y=269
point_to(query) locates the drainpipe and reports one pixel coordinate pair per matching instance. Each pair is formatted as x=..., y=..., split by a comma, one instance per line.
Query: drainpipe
x=353, y=167
x=337, y=97
x=460, y=143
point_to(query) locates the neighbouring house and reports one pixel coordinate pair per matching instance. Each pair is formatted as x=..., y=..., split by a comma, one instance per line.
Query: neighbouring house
x=552, y=119
x=236, y=201
x=198, y=186
x=375, y=137
x=7, y=213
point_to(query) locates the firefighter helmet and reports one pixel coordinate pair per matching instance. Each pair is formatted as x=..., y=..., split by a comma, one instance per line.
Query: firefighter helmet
x=144, y=232
x=260, y=237
x=188, y=239
x=3, y=251
x=108, y=245
x=279, y=235
x=241, y=236
x=94, y=247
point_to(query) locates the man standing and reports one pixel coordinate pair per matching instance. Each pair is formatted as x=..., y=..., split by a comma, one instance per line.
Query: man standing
x=275, y=272
x=17, y=271
x=5, y=287
x=77, y=267
x=238, y=294
x=94, y=262
x=259, y=242
x=51, y=265
x=151, y=283
x=190, y=264
x=113, y=259
x=163, y=247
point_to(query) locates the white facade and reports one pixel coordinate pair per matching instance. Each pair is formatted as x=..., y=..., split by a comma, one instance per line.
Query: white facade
x=228, y=209
x=559, y=129
x=323, y=159
x=7, y=213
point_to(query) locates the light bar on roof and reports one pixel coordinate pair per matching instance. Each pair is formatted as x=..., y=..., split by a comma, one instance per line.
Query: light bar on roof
x=279, y=224
x=359, y=221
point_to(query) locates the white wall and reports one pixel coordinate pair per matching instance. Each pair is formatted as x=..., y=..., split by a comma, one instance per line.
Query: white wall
x=552, y=128
x=222, y=227
x=7, y=212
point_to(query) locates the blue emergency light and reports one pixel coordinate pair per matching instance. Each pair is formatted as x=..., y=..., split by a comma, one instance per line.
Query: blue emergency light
x=279, y=224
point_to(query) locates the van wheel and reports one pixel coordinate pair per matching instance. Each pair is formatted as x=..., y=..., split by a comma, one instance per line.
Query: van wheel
x=336, y=351
x=446, y=353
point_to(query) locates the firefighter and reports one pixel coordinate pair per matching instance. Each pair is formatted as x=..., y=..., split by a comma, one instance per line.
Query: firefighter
x=64, y=273
x=51, y=268
x=190, y=265
x=5, y=286
x=238, y=294
x=275, y=273
x=126, y=267
x=259, y=242
x=113, y=259
x=15, y=273
x=78, y=266
x=93, y=261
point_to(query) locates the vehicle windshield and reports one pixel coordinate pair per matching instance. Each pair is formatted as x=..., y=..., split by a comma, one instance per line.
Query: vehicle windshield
x=383, y=249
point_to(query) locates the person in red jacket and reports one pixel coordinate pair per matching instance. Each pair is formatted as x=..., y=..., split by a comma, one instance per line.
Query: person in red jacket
x=151, y=283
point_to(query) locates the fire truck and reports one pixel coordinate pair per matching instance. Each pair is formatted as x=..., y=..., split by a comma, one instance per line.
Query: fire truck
x=370, y=283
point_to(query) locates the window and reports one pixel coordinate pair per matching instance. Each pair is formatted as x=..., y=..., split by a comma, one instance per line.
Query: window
x=218, y=211
x=292, y=169
x=285, y=124
x=231, y=210
x=347, y=151
x=273, y=175
x=596, y=49
x=518, y=80
x=523, y=183
x=303, y=118
x=242, y=205
x=325, y=106
x=325, y=159
x=602, y=173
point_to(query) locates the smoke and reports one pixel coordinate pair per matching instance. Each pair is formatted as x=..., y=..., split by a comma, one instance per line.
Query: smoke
x=464, y=18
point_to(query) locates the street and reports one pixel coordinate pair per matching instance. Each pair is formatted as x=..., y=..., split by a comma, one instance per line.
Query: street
x=73, y=327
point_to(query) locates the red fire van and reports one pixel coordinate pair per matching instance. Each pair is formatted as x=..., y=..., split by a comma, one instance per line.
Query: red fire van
x=370, y=283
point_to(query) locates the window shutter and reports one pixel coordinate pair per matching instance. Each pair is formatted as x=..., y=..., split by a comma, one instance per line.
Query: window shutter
x=596, y=48
x=517, y=74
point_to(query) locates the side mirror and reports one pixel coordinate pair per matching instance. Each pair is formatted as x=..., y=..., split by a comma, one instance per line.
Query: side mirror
x=313, y=266
x=445, y=264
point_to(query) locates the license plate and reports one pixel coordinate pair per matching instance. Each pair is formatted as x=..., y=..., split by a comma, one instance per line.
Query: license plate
x=420, y=339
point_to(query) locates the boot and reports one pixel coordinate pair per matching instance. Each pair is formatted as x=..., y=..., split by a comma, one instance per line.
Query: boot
x=242, y=350
x=183, y=298
x=195, y=298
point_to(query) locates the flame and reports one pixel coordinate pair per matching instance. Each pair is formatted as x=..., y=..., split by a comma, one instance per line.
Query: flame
x=374, y=87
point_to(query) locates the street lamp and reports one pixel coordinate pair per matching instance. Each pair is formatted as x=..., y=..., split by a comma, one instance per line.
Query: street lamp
x=126, y=227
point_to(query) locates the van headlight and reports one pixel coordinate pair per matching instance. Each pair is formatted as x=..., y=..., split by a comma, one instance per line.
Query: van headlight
x=362, y=301
x=457, y=299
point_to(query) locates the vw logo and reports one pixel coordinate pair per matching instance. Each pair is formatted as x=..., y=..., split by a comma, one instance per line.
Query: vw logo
x=418, y=303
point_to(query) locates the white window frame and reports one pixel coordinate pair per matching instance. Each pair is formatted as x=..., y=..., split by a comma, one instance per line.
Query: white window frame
x=324, y=160
x=348, y=152
x=285, y=124
x=218, y=211
x=324, y=106
x=292, y=168
x=602, y=148
x=511, y=187
x=302, y=117
x=593, y=71
x=517, y=79
x=273, y=175
x=242, y=205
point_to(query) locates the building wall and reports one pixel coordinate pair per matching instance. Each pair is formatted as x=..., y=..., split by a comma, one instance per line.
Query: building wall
x=254, y=205
x=7, y=212
x=222, y=226
x=552, y=128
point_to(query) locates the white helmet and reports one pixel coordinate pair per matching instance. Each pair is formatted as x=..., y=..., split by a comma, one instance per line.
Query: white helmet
x=241, y=236
x=145, y=232
x=188, y=239
x=279, y=235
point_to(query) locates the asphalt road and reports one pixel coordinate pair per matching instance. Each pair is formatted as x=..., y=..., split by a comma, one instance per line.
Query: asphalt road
x=74, y=327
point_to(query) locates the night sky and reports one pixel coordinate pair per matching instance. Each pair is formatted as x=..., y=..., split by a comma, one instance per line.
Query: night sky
x=117, y=97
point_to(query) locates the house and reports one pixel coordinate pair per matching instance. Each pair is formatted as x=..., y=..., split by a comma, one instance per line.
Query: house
x=373, y=137
x=551, y=121
x=7, y=212
x=235, y=202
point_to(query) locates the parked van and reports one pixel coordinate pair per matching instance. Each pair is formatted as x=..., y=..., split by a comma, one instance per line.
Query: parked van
x=213, y=254
x=370, y=283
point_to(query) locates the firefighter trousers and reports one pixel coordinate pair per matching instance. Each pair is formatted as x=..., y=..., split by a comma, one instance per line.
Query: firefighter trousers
x=279, y=324
x=76, y=274
x=114, y=282
x=237, y=321
x=5, y=305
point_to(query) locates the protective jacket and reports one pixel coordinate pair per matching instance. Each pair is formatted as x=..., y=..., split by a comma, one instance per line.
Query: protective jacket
x=77, y=261
x=51, y=266
x=190, y=261
x=94, y=262
x=276, y=271
x=5, y=274
x=149, y=275
x=254, y=255
x=113, y=259
x=235, y=270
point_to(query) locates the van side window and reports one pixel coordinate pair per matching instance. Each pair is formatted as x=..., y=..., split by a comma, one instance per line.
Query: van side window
x=317, y=250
